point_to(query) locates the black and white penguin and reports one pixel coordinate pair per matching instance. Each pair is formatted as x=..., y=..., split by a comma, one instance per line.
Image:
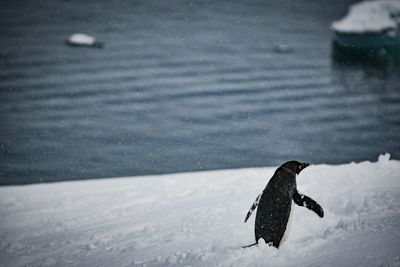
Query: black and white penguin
x=275, y=204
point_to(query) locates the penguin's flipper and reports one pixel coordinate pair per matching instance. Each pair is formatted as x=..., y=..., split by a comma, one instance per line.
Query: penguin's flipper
x=309, y=203
x=253, y=207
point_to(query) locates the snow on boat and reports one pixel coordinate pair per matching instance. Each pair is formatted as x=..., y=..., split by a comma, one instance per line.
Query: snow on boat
x=369, y=25
x=83, y=40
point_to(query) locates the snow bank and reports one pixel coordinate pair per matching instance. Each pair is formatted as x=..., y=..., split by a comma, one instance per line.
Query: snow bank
x=370, y=17
x=196, y=219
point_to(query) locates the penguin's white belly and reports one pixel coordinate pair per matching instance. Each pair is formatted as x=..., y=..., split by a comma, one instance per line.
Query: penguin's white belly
x=286, y=234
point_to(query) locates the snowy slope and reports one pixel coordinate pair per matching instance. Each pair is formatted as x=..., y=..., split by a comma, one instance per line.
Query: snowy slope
x=196, y=219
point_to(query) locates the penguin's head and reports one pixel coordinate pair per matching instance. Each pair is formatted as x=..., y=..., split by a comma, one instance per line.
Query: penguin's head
x=294, y=166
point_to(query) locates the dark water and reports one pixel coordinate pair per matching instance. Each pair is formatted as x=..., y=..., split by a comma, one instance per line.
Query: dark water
x=184, y=86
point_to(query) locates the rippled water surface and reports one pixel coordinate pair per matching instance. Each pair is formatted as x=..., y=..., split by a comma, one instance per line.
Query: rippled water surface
x=183, y=86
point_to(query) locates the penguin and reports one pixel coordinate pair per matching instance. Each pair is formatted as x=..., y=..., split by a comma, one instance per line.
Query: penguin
x=275, y=204
x=83, y=40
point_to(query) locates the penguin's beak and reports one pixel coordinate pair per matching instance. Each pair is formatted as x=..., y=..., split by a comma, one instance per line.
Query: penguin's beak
x=303, y=166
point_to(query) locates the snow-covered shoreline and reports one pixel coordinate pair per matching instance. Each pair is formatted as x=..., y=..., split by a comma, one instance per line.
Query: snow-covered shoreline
x=196, y=219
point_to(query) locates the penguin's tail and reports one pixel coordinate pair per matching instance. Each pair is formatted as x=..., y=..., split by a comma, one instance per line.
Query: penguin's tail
x=253, y=207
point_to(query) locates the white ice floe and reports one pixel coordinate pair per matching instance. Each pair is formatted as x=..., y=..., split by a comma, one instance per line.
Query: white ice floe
x=370, y=17
x=196, y=219
x=81, y=39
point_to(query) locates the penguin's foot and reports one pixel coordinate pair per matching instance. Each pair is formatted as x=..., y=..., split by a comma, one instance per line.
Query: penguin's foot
x=255, y=244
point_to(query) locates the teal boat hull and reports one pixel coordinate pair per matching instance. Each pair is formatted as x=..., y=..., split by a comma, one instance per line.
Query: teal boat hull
x=368, y=41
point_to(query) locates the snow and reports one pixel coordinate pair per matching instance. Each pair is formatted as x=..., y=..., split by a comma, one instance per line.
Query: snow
x=81, y=39
x=196, y=219
x=370, y=17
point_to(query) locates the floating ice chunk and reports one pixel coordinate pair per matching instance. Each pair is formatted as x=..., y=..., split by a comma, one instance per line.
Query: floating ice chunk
x=370, y=17
x=384, y=157
x=282, y=48
x=81, y=39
